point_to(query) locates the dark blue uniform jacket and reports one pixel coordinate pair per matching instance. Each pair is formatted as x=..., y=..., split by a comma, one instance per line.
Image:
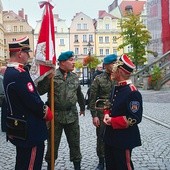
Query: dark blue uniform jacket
x=25, y=101
x=125, y=102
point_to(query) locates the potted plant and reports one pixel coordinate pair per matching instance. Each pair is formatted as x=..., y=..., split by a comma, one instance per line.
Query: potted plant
x=156, y=77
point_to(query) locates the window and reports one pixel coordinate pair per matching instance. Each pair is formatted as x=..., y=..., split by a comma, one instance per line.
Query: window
x=90, y=38
x=13, y=39
x=79, y=26
x=107, y=39
x=21, y=28
x=114, y=39
x=84, y=26
x=101, y=51
x=5, y=41
x=61, y=41
x=114, y=51
x=15, y=28
x=91, y=50
x=84, y=50
x=76, y=38
x=76, y=50
x=107, y=51
x=84, y=38
x=107, y=26
x=100, y=39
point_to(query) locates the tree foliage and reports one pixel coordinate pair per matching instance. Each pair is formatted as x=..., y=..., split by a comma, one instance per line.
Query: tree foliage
x=135, y=34
x=89, y=61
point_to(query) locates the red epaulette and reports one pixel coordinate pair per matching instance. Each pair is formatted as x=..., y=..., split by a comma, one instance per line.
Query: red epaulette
x=20, y=69
x=132, y=87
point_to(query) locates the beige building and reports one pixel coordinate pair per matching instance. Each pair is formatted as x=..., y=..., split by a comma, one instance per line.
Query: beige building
x=107, y=33
x=16, y=27
x=61, y=34
x=82, y=35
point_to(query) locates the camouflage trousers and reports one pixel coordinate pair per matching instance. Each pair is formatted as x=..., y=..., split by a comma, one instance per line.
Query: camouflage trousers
x=100, y=144
x=72, y=132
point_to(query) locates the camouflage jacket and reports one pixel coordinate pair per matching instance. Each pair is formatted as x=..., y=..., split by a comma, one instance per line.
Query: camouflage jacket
x=100, y=89
x=66, y=95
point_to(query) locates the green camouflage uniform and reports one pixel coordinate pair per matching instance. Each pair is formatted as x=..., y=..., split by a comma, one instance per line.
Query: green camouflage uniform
x=100, y=89
x=66, y=94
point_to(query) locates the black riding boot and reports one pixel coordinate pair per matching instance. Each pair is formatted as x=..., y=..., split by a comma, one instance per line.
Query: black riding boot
x=77, y=165
x=100, y=166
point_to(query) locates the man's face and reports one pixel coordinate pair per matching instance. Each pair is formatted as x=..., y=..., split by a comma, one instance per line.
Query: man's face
x=24, y=56
x=109, y=67
x=68, y=65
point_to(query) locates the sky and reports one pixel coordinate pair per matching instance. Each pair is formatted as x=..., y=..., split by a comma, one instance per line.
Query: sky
x=65, y=8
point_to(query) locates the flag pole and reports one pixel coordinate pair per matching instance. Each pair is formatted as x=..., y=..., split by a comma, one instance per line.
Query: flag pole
x=52, y=124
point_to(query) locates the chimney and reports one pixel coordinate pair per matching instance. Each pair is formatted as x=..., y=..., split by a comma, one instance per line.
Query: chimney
x=21, y=13
x=129, y=9
x=26, y=18
x=101, y=12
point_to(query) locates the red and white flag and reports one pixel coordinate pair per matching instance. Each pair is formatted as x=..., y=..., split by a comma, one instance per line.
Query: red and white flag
x=45, y=57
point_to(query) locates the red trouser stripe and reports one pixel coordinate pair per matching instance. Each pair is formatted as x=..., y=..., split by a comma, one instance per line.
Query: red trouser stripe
x=128, y=159
x=32, y=159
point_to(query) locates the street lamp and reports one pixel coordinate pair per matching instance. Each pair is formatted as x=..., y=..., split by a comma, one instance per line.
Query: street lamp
x=89, y=48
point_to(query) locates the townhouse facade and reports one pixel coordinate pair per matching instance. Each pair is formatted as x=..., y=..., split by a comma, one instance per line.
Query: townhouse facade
x=61, y=34
x=16, y=27
x=85, y=35
x=107, y=33
x=82, y=36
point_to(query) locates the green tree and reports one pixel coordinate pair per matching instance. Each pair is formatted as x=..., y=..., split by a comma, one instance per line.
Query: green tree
x=135, y=34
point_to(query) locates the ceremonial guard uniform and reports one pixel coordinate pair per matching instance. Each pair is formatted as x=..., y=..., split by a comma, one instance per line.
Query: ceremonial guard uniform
x=122, y=133
x=67, y=92
x=100, y=90
x=24, y=103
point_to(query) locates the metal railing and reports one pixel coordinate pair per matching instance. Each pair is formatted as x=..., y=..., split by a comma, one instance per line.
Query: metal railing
x=163, y=63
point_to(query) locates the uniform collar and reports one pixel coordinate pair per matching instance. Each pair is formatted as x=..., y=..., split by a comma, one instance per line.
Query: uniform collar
x=124, y=83
x=15, y=64
x=62, y=71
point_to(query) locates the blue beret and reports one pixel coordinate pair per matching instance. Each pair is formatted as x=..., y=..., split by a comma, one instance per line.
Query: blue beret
x=65, y=55
x=110, y=58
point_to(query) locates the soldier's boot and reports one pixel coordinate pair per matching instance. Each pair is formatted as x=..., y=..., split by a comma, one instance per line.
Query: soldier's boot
x=100, y=166
x=77, y=165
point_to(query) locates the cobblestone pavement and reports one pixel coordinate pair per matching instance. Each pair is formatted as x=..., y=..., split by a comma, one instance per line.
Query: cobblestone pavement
x=154, y=154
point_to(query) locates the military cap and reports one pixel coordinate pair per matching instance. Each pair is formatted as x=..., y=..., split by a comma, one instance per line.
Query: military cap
x=65, y=55
x=127, y=65
x=110, y=59
x=20, y=45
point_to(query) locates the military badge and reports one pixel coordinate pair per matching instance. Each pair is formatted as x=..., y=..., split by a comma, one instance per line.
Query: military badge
x=134, y=106
x=30, y=87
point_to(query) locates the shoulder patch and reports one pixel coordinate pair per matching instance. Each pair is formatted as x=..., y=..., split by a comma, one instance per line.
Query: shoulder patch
x=132, y=87
x=30, y=87
x=134, y=106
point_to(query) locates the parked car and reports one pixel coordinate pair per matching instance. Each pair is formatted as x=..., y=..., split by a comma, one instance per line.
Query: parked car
x=83, y=80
